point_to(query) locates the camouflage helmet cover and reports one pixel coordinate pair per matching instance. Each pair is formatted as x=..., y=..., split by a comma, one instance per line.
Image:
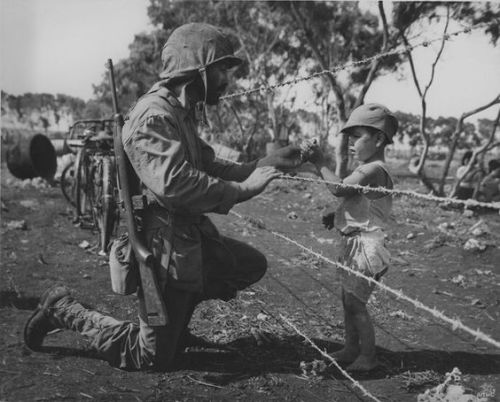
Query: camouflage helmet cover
x=194, y=46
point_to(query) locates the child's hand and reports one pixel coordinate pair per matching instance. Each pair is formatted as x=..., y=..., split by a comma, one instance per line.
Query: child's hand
x=311, y=152
x=328, y=220
x=285, y=158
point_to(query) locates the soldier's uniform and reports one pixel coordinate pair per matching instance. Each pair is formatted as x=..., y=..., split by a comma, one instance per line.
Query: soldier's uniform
x=182, y=181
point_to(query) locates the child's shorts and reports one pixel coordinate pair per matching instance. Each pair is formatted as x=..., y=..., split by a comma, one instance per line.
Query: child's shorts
x=364, y=252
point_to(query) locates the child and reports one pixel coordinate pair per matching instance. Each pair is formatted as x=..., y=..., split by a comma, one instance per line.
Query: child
x=361, y=218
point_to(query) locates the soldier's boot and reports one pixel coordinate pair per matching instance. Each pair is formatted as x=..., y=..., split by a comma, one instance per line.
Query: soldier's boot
x=43, y=319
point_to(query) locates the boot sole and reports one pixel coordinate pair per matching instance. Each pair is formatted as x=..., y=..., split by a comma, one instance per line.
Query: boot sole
x=41, y=306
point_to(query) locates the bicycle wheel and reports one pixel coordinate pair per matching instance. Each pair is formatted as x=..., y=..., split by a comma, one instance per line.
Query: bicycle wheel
x=106, y=213
x=68, y=184
x=83, y=184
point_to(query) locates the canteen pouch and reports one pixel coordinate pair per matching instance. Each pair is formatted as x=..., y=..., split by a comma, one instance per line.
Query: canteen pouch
x=123, y=267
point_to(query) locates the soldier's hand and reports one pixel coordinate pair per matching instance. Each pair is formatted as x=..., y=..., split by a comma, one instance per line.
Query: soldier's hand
x=286, y=158
x=257, y=182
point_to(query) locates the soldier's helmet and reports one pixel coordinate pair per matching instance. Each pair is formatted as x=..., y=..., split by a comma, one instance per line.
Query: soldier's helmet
x=194, y=46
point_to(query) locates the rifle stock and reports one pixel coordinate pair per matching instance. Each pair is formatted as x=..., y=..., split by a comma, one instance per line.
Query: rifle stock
x=155, y=306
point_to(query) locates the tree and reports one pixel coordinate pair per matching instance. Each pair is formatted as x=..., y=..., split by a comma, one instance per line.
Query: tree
x=455, y=137
x=489, y=143
x=276, y=45
x=405, y=17
x=266, y=45
x=336, y=33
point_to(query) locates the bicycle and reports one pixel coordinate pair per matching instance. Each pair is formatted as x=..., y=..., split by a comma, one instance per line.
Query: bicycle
x=75, y=143
x=90, y=183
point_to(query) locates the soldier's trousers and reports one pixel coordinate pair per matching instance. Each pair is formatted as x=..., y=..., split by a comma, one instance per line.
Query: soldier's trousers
x=133, y=346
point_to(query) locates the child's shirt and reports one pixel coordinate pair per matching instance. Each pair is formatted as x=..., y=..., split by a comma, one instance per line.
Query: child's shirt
x=360, y=213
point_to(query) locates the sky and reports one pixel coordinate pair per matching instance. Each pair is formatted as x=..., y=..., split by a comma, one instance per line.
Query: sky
x=60, y=46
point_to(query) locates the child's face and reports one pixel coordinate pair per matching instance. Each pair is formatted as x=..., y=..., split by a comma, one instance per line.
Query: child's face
x=363, y=144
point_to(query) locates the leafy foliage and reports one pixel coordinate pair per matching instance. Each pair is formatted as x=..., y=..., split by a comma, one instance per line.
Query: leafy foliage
x=274, y=50
x=441, y=130
x=39, y=111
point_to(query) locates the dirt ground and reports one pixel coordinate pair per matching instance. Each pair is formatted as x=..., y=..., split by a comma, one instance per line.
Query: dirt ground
x=265, y=358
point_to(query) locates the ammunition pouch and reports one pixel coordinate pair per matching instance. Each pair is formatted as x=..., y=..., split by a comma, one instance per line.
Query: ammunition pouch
x=123, y=267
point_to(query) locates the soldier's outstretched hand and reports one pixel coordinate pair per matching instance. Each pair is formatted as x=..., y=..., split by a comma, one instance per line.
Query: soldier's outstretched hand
x=257, y=182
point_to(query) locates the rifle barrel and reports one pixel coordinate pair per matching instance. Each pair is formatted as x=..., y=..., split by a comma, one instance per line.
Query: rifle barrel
x=113, y=86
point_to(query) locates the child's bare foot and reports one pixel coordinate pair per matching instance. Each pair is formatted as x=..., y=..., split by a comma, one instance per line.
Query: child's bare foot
x=346, y=355
x=363, y=363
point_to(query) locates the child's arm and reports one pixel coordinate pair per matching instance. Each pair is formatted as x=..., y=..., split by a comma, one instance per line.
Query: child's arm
x=364, y=176
x=326, y=174
x=370, y=175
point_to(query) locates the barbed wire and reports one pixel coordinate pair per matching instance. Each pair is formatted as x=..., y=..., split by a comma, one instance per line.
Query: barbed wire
x=455, y=323
x=335, y=363
x=407, y=193
x=387, y=191
x=279, y=320
x=336, y=69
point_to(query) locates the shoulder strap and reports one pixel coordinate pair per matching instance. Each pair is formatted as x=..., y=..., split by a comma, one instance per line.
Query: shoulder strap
x=383, y=166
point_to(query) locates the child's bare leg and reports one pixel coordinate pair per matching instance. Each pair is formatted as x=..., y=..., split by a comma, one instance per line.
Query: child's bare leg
x=350, y=351
x=367, y=357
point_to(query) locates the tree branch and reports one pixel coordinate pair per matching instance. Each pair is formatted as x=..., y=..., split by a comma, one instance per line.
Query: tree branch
x=240, y=38
x=375, y=63
x=456, y=134
x=299, y=18
x=412, y=65
x=440, y=52
x=475, y=155
x=492, y=146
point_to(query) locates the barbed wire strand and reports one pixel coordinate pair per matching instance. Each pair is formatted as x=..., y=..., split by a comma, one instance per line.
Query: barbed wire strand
x=407, y=193
x=335, y=294
x=455, y=323
x=282, y=319
x=323, y=285
x=323, y=353
x=279, y=321
x=336, y=69
x=386, y=191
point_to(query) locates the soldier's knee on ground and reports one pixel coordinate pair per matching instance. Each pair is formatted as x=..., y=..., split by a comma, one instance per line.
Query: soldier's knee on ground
x=260, y=267
x=254, y=267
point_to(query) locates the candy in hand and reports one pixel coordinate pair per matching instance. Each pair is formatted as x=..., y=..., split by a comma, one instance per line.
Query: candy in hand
x=308, y=149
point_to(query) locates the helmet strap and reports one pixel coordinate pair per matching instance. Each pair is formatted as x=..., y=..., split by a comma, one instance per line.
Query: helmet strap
x=203, y=73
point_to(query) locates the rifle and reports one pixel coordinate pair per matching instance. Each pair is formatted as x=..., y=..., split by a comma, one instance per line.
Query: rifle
x=128, y=180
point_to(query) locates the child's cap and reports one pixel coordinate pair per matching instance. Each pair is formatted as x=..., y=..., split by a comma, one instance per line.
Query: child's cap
x=376, y=116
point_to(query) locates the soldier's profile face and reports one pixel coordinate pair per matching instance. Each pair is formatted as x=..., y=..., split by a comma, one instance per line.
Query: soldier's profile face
x=217, y=81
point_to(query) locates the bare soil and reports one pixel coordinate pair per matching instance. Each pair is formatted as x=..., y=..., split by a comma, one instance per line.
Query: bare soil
x=266, y=359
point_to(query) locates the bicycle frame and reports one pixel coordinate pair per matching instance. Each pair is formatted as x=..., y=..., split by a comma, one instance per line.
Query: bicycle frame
x=95, y=179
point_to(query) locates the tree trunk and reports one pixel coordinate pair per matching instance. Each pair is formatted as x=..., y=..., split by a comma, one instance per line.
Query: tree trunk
x=479, y=151
x=456, y=135
x=449, y=158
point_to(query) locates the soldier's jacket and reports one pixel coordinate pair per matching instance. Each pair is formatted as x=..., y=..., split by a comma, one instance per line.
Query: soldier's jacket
x=181, y=178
